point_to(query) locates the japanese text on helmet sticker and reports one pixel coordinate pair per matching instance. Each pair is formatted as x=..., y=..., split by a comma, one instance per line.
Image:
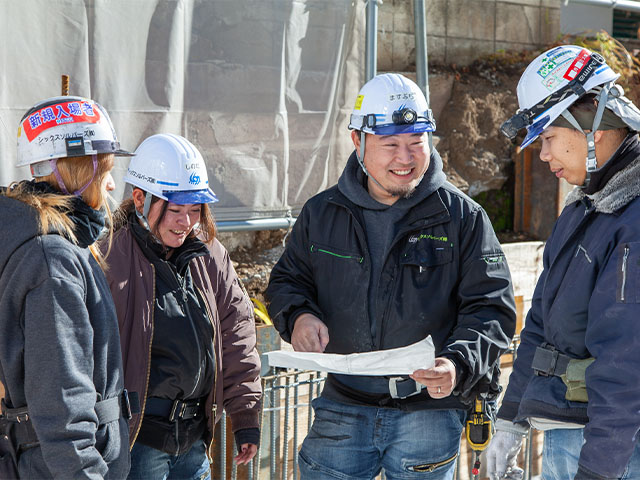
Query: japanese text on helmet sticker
x=359, y=100
x=402, y=96
x=88, y=133
x=577, y=65
x=141, y=176
x=53, y=115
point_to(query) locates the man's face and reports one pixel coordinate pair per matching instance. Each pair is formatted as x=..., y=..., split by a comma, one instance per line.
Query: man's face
x=565, y=150
x=397, y=162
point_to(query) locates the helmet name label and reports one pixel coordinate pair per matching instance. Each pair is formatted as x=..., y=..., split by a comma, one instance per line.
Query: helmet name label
x=53, y=115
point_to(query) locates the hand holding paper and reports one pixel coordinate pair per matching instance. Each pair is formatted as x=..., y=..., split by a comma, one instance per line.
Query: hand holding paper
x=396, y=361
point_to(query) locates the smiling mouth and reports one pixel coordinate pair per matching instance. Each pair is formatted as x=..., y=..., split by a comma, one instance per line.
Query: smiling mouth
x=402, y=173
x=177, y=232
x=557, y=172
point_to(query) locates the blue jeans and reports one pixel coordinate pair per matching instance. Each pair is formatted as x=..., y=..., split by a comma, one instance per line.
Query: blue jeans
x=149, y=463
x=356, y=442
x=561, y=453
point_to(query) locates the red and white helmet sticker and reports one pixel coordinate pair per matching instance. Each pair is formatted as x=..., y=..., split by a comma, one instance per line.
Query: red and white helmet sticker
x=58, y=114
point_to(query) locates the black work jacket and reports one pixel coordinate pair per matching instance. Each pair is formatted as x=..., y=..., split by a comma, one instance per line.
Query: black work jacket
x=445, y=275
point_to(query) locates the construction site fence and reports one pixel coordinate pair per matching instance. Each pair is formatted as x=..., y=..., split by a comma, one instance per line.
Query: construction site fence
x=285, y=419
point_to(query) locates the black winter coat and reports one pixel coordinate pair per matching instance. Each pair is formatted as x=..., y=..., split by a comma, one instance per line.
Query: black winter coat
x=445, y=276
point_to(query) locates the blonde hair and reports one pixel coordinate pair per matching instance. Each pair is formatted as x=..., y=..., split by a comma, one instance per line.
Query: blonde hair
x=53, y=209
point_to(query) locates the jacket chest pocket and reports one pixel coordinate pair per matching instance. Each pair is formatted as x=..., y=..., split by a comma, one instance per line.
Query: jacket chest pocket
x=427, y=256
x=326, y=253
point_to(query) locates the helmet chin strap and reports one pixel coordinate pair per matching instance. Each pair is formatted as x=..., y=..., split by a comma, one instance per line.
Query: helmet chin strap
x=591, y=161
x=145, y=211
x=360, y=157
x=53, y=163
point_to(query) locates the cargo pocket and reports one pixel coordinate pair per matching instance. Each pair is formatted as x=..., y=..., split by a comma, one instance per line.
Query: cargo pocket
x=574, y=379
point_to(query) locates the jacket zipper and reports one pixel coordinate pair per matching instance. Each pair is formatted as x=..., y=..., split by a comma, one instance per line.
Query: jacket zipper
x=387, y=307
x=146, y=388
x=214, y=406
x=624, y=272
x=346, y=257
x=195, y=336
x=430, y=467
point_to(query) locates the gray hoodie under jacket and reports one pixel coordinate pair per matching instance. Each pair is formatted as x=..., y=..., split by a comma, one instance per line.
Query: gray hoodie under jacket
x=59, y=350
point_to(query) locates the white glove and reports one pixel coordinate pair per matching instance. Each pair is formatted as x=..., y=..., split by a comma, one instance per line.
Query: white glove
x=500, y=455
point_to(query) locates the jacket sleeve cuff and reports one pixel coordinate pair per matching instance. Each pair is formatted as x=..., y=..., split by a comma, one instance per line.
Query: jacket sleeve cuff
x=248, y=418
x=247, y=435
x=507, y=426
x=586, y=474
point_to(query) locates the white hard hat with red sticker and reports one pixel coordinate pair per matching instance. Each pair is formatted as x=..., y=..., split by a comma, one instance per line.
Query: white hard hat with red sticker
x=551, y=84
x=171, y=168
x=64, y=127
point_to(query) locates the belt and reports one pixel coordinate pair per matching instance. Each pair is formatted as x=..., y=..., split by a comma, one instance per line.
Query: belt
x=174, y=409
x=396, y=387
x=107, y=410
x=548, y=361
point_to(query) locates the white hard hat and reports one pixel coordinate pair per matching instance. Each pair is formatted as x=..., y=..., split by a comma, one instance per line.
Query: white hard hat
x=170, y=167
x=551, y=84
x=64, y=127
x=391, y=104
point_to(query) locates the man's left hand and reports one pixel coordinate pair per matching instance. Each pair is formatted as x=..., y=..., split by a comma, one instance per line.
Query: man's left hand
x=439, y=380
x=247, y=452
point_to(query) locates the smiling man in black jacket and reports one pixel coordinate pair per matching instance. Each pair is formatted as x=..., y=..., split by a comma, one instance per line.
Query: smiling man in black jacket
x=391, y=254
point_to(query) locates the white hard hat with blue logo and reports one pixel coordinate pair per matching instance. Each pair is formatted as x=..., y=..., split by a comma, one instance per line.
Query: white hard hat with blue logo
x=170, y=167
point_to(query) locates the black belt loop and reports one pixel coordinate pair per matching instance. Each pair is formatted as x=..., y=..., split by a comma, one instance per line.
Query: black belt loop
x=548, y=361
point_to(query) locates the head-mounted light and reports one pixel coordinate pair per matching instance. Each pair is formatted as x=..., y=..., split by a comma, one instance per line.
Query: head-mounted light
x=404, y=116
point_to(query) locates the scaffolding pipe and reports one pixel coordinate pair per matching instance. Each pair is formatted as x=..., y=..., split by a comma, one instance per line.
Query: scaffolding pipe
x=371, y=45
x=419, y=19
x=256, y=224
x=628, y=5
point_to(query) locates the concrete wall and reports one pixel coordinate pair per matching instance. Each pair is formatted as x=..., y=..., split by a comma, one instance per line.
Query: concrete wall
x=459, y=31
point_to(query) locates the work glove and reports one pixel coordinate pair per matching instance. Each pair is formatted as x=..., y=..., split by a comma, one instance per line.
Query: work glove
x=501, y=454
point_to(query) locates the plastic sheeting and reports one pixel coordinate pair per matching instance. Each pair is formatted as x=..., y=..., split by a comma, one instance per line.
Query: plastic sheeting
x=264, y=88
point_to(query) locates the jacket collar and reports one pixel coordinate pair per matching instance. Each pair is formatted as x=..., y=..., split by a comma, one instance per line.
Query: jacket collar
x=623, y=187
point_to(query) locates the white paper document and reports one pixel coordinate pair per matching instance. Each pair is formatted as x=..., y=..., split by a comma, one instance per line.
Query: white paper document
x=397, y=361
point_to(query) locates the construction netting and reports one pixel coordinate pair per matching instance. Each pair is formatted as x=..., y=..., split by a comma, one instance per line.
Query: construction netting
x=263, y=88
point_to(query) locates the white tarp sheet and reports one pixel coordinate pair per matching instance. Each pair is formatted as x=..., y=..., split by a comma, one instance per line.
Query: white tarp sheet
x=264, y=88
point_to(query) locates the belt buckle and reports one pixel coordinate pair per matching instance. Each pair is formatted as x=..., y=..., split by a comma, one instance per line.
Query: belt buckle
x=544, y=361
x=393, y=388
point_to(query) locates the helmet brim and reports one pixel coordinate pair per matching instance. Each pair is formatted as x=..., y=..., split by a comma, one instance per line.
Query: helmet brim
x=190, y=197
x=394, y=129
x=535, y=130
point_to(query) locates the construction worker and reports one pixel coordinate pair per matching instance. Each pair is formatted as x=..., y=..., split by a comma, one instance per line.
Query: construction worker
x=577, y=372
x=187, y=328
x=65, y=411
x=389, y=255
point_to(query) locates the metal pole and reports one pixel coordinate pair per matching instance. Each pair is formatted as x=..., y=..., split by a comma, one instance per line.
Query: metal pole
x=371, y=45
x=419, y=19
x=256, y=224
